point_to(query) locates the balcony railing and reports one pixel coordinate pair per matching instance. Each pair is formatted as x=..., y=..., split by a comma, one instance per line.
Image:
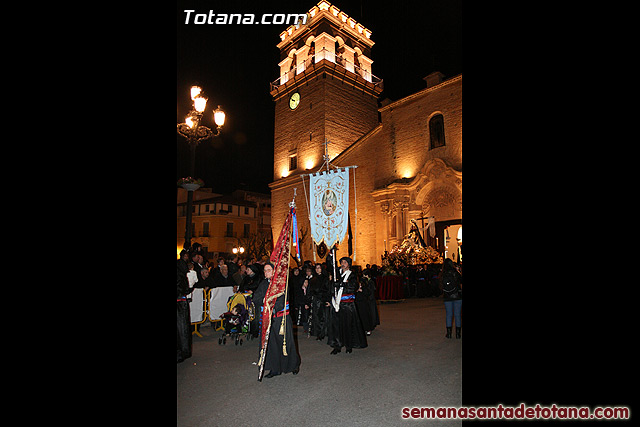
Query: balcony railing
x=310, y=62
x=182, y=212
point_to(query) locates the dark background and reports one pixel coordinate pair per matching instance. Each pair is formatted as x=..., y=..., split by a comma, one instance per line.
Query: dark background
x=548, y=299
x=542, y=323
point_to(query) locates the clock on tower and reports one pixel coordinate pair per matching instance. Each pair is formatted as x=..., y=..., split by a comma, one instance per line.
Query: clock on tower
x=325, y=91
x=294, y=100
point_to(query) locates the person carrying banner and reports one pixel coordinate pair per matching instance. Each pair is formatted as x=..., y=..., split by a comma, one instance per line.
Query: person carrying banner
x=278, y=350
x=344, y=326
x=275, y=360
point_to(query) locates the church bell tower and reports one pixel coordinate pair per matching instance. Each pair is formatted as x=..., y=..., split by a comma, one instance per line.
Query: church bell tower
x=325, y=91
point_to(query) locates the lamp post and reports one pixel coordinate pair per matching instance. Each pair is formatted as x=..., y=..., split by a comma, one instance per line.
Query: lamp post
x=195, y=132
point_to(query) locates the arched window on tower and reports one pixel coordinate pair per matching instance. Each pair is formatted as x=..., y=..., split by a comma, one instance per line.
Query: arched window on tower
x=436, y=131
x=293, y=62
x=312, y=49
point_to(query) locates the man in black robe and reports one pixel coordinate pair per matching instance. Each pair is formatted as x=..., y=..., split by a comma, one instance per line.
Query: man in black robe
x=320, y=298
x=344, y=326
x=275, y=360
x=184, y=315
x=366, y=303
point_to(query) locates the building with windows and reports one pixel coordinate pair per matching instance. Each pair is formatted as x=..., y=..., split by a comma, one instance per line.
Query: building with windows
x=263, y=212
x=408, y=151
x=223, y=222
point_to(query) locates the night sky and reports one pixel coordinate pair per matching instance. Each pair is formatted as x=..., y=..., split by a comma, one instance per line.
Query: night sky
x=235, y=63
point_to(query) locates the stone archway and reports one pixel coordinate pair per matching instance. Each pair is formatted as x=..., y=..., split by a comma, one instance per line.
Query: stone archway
x=435, y=191
x=443, y=202
x=440, y=196
x=439, y=193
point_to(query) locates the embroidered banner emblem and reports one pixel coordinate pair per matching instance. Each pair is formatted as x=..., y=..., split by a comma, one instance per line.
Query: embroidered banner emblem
x=329, y=206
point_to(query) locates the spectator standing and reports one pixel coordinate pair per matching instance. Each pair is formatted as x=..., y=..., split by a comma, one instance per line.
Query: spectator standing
x=183, y=314
x=233, y=265
x=451, y=282
x=238, y=277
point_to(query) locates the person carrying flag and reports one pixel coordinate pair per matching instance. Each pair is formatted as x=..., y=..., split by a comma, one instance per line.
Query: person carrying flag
x=278, y=350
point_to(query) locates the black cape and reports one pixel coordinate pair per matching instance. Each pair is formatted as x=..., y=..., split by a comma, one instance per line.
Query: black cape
x=320, y=295
x=183, y=326
x=275, y=360
x=366, y=305
x=450, y=281
x=344, y=328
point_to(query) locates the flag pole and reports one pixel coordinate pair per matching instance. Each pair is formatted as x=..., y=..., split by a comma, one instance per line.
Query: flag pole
x=268, y=308
x=283, y=325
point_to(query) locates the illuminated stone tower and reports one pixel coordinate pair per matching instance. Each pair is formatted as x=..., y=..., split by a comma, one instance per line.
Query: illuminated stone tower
x=325, y=91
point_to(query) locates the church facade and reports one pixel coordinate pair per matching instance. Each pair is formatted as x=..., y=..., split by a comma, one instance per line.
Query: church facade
x=408, y=152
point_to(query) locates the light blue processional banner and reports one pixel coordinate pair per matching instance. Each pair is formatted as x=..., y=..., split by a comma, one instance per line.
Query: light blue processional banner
x=329, y=206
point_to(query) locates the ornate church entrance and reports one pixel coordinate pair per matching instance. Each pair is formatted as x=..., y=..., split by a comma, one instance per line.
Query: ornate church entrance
x=435, y=192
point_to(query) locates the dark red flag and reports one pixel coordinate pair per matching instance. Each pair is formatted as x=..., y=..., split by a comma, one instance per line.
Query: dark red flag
x=278, y=284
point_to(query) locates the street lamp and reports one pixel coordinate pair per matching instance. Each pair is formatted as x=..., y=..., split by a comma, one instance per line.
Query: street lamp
x=219, y=116
x=194, y=132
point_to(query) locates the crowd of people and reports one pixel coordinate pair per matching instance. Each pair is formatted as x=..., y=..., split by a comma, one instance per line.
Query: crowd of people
x=342, y=311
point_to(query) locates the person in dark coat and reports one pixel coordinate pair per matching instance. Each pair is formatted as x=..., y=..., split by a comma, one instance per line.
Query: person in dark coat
x=366, y=303
x=206, y=282
x=451, y=283
x=303, y=298
x=184, y=316
x=344, y=327
x=303, y=302
x=295, y=282
x=421, y=282
x=232, y=265
x=275, y=361
x=221, y=277
x=238, y=277
x=197, y=248
x=250, y=284
x=198, y=264
x=320, y=297
x=252, y=279
x=433, y=281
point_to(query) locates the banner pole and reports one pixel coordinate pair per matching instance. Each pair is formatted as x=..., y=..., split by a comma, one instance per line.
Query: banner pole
x=334, y=262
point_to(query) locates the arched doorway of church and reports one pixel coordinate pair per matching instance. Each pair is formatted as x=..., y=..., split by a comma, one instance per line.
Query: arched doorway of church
x=445, y=239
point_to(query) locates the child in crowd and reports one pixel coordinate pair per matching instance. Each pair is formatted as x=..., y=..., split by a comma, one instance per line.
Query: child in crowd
x=192, y=276
x=231, y=319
